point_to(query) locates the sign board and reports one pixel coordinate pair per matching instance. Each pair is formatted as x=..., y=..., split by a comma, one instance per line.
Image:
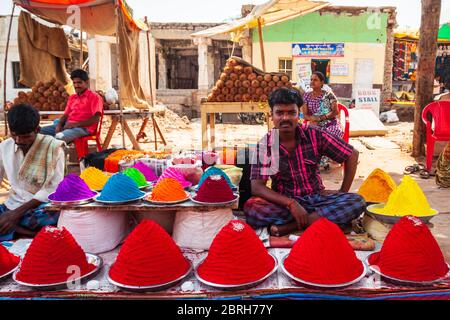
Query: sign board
x=368, y=99
x=317, y=50
x=304, y=75
x=339, y=69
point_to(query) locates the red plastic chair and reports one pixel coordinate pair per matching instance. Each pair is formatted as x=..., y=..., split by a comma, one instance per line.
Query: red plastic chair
x=440, y=115
x=81, y=144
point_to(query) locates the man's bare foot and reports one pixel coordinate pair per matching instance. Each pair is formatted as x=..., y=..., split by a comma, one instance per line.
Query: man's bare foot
x=283, y=229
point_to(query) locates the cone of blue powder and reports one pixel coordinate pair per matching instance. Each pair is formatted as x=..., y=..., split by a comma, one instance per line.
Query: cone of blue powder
x=213, y=171
x=120, y=188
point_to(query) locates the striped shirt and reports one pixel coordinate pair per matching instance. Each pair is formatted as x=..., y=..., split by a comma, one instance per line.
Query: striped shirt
x=297, y=174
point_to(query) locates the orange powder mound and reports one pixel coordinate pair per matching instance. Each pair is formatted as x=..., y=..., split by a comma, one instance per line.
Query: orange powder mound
x=168, y=189
x=112, y=161
x=377, y=187
x=94, y=178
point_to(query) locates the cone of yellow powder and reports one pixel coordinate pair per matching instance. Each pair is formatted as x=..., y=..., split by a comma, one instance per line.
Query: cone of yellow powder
x=94, y=178
x=377, y=187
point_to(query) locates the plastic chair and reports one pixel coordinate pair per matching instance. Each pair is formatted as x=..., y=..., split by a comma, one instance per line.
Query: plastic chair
x=81, y=144
x=438, y=129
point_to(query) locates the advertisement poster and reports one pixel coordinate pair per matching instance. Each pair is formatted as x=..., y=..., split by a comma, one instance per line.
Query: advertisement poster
x=368, y=99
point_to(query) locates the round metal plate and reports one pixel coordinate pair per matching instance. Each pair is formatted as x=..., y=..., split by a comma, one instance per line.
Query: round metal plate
x=159, y=287
x=148, y=185
x=214, y=203
x=71, y=203
x=7, y=274
x=148, y=199
x=321, y=286
x=232, y=287
x=394, y=219
x=119, y=202
x=394, y=280
x=91, y=258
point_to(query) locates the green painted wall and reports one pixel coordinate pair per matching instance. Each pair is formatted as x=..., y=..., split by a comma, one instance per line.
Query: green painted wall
x=327, y=27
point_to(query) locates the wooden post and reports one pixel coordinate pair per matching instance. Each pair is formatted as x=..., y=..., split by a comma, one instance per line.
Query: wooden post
x=122, y=120
x=81, y=45
x=149, y=61
x=261, y=45
x=429, y=27
x=5, y=66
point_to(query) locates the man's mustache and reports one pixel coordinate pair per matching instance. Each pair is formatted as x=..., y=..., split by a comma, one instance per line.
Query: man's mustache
x=285, y=122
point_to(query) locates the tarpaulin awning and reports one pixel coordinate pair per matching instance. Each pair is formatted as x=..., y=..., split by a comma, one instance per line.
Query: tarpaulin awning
x=444, y=32
x=269, y=13
x=411, y=34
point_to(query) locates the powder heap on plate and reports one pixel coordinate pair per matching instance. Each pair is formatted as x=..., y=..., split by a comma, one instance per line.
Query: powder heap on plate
x=174, y=173
x=215, y=189
x=236, y=256
x=8, y=261
x=212, y=171
x=410, y=252
x=120, y=188
x=137, y=176
x=52, y=257
x=324, y=256
x=148, y=257
x=168, y=189
x=377, y=187
x=94, y=178
x=72, y=188
x=148, y=173
x=406, y=199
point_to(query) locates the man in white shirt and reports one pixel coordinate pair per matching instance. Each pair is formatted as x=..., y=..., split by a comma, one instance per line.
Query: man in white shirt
x=34, y=166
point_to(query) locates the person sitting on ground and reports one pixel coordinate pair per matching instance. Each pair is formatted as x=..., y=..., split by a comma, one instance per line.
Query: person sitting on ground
x=82, y=114
x=290, y=155
x=34, y=166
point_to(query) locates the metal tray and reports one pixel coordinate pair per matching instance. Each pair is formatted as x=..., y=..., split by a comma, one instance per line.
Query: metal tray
x=322, y=286
x=235, y=287
x=147, y=198
x=7, y=274
x=73, y=203
x=148, y=185
x=119, y=202
x=159, y=287
x=91, y=258
x=393, y=219
x=214, y=203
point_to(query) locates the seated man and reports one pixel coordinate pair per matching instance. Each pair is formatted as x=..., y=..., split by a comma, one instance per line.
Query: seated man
x=290, y=155
x=82, y=113
x=34, y=165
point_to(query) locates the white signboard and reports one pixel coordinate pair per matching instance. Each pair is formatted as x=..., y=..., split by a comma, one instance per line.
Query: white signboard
x=368, y=99
x=304, y=75
x=339, y=69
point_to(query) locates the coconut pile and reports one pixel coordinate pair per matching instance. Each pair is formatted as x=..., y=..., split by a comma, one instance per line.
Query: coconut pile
x=45, y=96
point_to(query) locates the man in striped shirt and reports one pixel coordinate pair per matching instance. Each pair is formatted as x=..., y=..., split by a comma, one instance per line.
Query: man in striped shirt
x=290, y=156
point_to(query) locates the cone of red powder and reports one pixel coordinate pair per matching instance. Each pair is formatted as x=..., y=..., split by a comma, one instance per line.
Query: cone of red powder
x=149, y=257
x=52, y=257
x=236, y=256
x=215, y=189
x=410, y=253
x=323, y=256
x=8, y=261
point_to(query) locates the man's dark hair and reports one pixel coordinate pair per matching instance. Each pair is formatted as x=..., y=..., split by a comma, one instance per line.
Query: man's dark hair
x=23, y=119
x=285, y=96
x=79, y=73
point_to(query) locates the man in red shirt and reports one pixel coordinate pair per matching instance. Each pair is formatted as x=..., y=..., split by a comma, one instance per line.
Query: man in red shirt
x=82, y=113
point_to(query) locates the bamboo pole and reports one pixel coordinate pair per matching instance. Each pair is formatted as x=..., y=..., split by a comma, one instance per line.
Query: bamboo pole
x=122, y=124
x=5, y=67
x=149, y=61
x=261, y=45
x=81, y=45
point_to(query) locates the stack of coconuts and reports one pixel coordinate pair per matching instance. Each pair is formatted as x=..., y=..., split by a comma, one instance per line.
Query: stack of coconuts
x=241, y=82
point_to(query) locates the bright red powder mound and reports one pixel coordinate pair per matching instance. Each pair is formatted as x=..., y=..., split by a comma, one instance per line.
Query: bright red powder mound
x=323, y=255
x=236, y=256
x=410, y=252
x=8, y=261
x=148, y=257
x=215, y=189
x=51, y=258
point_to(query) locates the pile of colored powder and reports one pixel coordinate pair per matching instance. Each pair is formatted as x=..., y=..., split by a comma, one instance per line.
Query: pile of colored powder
x=213, y=171
x=323, y=255
x=148, y=257
x=410, y=252
x=406, y=199
x=168, y=189
x=236, y=256
x=137, y=176
x=8, y=261
x=112, y=161
x=174, y=173
x=94, y=178
x=148, y=173
x=72, y=188
x=51, y=256
x=120, y=188
x=377, y=187
x=215, y=189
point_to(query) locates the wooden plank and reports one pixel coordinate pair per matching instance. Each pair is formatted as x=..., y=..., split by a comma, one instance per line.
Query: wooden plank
x=234, y=107
x=130, y=135
x=204, y=130
x=212, y=129
x=109, y=135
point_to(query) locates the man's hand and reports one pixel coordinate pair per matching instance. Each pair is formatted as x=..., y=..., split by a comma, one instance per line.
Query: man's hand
x=9, y=221
x=329, y=192
x=300, y=215
x=58, y=127
x=70, y=125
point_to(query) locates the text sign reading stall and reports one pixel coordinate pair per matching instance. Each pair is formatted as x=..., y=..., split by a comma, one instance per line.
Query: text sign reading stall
x=368, y=99
x=317, y=50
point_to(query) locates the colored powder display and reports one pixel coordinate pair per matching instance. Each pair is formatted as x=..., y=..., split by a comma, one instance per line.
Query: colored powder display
x=410, y=253
x=137, y=176
x=213, y=171
x=8, y=261
x=51, y=256
x=168, y=189
x=377, y=187
x=112, y=161
x=72, y=188
x=323, y=255
x=174, y=173
x=120, y=188
x=215, y=189
x=406, y=199
x=148, y=257
x=94, y=178
x=148, y=173
x=236, y=256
